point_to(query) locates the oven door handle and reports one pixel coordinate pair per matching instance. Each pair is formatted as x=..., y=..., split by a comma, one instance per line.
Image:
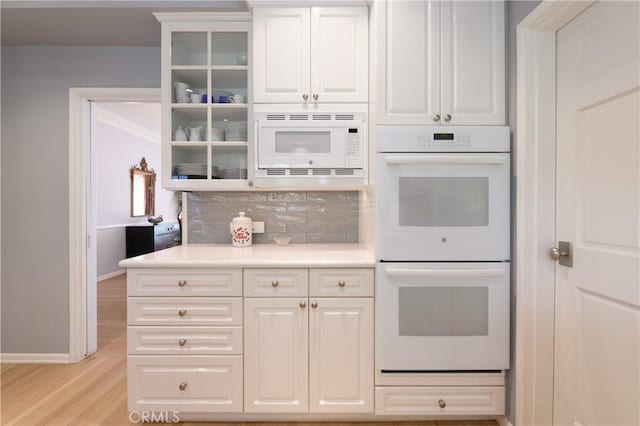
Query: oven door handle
x=444, y=159
x=444, y=273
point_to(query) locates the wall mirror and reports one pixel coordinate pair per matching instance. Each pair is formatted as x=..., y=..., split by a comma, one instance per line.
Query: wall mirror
x=143, y=190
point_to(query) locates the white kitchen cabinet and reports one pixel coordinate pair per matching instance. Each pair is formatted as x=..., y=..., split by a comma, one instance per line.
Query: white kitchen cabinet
x=341, y=355
x=317, y=54
x=276, y=345
x=441, y=62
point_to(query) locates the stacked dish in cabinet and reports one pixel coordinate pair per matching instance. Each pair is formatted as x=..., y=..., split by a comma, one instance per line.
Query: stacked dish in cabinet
x=442, y=278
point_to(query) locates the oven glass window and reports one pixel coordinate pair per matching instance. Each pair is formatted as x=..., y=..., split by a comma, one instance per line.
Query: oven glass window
x=443, y=311
x=444, y=201
x=292, y=142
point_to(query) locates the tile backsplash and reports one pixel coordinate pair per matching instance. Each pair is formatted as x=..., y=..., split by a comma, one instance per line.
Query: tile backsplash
x=306, y=217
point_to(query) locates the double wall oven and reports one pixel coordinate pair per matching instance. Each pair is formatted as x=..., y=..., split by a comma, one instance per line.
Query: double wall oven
x=442, y=280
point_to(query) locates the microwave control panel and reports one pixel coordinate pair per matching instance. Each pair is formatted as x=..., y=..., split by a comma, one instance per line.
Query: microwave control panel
x=353, y=142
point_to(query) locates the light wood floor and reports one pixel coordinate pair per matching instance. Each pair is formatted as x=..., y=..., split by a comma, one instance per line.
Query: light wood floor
x=94, y=391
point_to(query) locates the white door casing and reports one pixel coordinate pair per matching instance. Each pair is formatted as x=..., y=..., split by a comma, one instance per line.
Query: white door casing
x=473, y=62
x=339, y=54
x=597, y=331
x=341, y=355
x=281, y=54
x=276, y=355
x=409, y=92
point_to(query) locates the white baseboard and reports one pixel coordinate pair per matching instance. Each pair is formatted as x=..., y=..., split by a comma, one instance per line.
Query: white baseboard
x=111, y=275
x=503, y=421
x=35, y=358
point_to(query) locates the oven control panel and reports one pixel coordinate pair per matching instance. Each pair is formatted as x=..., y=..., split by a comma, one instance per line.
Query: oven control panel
x=443, y=141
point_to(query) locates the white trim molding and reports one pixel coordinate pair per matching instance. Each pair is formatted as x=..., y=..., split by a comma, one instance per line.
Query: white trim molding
x=535, y=208
x=79, y=160
x=504, y=421
x=8, y=358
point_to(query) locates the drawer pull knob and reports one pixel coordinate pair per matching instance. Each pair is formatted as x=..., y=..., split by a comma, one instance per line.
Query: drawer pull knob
x=274, y=283
x=441, y=403
x=182, y=385
x=342, y=283
x=182, y=342
x=314, y=304
x=182, y=283
x=303, y=305
x=182, y=312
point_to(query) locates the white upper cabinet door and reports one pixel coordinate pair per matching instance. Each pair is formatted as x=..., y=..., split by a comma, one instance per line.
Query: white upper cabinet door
x=281, y=54
x=473, y=67
x=408, y=42
x=341, y=355
x=339, y=54
x=276, y=351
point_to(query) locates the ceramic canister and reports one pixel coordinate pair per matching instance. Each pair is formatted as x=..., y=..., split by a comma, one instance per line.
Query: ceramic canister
x=241, y=229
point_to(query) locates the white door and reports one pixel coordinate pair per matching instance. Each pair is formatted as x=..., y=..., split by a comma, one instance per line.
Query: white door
x=281, y=54
x=409, y=62
x=473, y=45
x=341, y=355
x=339, y=54
x=276, y=355
x=597, y=349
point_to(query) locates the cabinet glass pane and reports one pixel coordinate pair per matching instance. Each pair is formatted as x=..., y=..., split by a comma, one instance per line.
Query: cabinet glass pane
x=230, y=84
x=229, y=48
x=443, y=311
x=443, y=201
x=229, y=124
x=189, y=162
x=190, y=123
x=189, y=48
x=187, y=83
x=229, y=162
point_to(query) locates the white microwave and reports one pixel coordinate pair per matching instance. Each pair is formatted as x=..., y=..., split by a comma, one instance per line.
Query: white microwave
x=313, y=144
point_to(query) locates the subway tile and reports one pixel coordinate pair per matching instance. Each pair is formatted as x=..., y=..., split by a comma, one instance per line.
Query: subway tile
x=317, y=227
x=287, y=196
x=325, y=237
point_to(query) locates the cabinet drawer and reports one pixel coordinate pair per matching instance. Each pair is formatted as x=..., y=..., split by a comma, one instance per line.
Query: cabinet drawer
x=341, y=282
x=184, y=340
x=276, y=282
x=184, y=311
x=184, y=282
x=427, y=400
x=202, y=384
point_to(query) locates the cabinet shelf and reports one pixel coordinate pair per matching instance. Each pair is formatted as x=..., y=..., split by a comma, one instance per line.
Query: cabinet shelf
x=209, y=68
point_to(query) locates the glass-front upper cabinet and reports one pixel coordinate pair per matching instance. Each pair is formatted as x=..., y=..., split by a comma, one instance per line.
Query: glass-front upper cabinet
x=206, y=100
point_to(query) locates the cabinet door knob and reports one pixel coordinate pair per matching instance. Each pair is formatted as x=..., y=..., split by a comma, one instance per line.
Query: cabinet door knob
x=182, y=312
x=182, y=385
x=182, y=342
x=314, y=304
x=182, y=283
x=303, y=304
x=441, y=403
x=342, y=283
x=315, y=96
x=274, y=283
x=436, y=117
x=447, y=117
x=305, y=97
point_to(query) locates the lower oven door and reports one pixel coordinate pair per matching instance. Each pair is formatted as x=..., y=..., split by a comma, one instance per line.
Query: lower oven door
x=442, y=316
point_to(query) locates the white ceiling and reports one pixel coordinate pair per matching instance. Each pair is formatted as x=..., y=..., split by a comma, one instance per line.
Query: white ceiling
x=94, y=23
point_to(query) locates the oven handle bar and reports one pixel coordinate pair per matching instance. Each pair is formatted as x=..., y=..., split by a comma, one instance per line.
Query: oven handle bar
x=444, y=159
x=444, y=273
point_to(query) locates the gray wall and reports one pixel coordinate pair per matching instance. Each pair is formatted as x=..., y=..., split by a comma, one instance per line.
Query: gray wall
x=306, y=217
x=516, y=11
x=35, y=137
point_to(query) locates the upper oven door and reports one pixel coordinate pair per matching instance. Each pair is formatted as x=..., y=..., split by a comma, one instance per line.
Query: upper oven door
x=289, y=145
x=442, y=316
x=443, y=207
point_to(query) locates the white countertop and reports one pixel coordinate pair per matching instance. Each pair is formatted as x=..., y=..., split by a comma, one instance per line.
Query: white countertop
x=256, y=256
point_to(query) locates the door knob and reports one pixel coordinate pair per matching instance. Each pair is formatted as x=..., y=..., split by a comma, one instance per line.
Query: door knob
x=563, y=253
x=182, y=385
x=447, y=117
x=315, y=96
x=441, y=403
x=182, y=312
x=182, y=342
x=314, y=304
x=274, y=283
x=182, y=283
x=303, y=305
x=305, y=97
x=436, y=117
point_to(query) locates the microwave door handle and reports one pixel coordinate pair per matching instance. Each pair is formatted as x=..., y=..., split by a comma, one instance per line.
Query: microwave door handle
x=443, y=159
x=444, y=273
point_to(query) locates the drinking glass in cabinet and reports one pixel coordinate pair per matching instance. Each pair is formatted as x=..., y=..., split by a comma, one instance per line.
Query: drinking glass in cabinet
x=229, y=49
x=189, y=48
